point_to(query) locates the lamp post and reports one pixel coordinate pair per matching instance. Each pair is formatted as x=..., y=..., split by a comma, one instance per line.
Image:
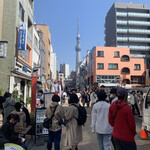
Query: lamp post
x=3, y=49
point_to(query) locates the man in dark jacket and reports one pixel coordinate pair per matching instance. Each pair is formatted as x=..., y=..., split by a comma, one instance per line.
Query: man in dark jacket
x=25, y=110
x=122, y=119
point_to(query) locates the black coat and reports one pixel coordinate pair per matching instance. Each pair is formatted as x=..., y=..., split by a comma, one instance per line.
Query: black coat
x=25, y=110
x=8, y=131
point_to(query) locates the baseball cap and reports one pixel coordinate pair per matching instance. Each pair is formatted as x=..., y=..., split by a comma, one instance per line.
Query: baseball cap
x=122, y=92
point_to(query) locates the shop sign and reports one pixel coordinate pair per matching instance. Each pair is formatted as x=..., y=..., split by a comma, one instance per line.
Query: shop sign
x=24, y=68
x=3, y=49
x=22, y=36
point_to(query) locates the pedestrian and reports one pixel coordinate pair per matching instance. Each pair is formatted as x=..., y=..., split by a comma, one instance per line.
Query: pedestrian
x=55, y=130
x=100, y=123
x=8, y=105
x=88, y=99
x=141, y=101
x=84, y=99
x=21, y=125
x=113, y=95
x=134, y=102
x=41, y=95
x=8, y=134
x=122, y=120
x=73, y=130
x=25, y=110
x=93, y=98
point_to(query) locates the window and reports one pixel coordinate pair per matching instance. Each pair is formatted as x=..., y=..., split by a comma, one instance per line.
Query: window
x=100, y=66
x=125, y=58
x=112, y=66
x=116, y=54
x=21, y=12
x=137, y=66
x=100, y=54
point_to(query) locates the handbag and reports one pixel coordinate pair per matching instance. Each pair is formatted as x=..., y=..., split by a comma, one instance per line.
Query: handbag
x=48, y=121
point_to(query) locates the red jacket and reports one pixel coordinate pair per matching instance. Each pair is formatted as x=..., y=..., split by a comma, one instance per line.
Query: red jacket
x=124, y=124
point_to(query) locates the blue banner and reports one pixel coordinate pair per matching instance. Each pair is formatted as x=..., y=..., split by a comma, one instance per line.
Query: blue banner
x=22, y=39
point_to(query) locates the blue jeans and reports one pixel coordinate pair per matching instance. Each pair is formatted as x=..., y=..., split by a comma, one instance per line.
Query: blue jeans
x=121, y=145
x=23, y=145
x=54, y=137
x=104, y=141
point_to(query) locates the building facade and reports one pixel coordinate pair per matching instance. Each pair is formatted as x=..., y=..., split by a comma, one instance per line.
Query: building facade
x=113, y=66
x=16, y=68
x=128, y=25
x=53, y=66
x=64, y=68
x=47, y=45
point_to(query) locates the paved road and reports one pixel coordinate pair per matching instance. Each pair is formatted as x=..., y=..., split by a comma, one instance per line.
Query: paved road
x=90, y=142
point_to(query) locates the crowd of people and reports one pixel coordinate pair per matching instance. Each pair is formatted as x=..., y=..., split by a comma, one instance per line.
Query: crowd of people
x=112, y=118
x=15, y=120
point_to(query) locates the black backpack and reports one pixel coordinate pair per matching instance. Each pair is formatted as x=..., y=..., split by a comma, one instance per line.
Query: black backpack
x=82, y=115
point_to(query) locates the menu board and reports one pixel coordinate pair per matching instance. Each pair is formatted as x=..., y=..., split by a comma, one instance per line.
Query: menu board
x=40, y=116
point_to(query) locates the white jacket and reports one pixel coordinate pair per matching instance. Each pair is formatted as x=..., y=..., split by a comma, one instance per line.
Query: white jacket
x=100, y=118
x=133, y=99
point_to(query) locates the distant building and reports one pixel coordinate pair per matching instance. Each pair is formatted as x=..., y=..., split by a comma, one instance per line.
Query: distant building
x=128, y=25
x=113, y=66
x=64, y=68
x=73, y=75
x=53, y=65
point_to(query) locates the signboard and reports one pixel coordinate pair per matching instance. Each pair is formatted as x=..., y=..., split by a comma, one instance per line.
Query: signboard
x=22, y=36
x=40, y=116
x=3, y=49
x=11, y=146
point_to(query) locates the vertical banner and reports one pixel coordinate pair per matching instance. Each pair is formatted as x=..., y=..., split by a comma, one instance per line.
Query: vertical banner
x=22, y=36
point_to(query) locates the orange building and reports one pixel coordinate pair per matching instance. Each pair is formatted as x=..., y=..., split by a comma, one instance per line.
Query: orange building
x=113, y=66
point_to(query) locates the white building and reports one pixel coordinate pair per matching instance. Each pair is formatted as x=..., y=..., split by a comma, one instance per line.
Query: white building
x=64, y=68
x=53, y=65
x=35, y=50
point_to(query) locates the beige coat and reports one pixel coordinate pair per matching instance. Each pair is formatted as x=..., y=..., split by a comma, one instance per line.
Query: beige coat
x=20, y=126
x=59, y=114
x=73, y=131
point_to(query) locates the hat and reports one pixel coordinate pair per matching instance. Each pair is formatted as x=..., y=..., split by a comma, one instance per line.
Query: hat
x=73, y=98
x=122, y=92
x=56, y=93
x=55, y=98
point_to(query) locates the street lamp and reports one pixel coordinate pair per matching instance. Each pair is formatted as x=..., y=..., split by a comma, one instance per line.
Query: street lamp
x=3, y=49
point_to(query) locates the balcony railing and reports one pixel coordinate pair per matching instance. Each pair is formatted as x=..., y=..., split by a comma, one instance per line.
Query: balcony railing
x=122, y=30
x=133, y=39
x=29, y=35
x=139, y=31
x=143, y=15
x=140, y=23
x=121, y=22
x=121, y=14
x=122, y=38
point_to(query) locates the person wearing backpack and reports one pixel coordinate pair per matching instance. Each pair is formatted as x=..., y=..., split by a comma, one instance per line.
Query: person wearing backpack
x=55, y=129
x=100, y=124
x=73, y=130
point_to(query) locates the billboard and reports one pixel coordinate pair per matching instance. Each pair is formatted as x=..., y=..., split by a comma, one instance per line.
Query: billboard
x=22, y=36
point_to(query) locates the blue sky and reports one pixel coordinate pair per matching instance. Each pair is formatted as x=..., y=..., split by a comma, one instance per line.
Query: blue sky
x=61, y=16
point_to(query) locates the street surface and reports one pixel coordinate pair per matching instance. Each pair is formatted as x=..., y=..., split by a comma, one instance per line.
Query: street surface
x=90, y=142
